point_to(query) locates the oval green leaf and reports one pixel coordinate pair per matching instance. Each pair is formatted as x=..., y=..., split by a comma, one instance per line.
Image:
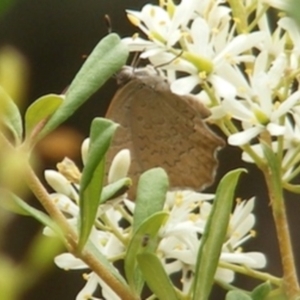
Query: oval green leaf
x=105, y=60
x=41, y=110
x=157, y=279
x=93, y=174
x=10, y=116
x=214, y=235
x=151, y=195
x=13, y=203
x=143, y=240
x=237, y=295
x=261, y=291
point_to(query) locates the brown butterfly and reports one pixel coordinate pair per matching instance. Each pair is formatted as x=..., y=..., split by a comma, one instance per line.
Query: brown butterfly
x=162, y=129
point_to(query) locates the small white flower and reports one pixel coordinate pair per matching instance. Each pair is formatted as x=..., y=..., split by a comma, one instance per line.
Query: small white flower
x=291, y=144
x=179, y=239
x=257, y=110
x=119, y=166
x=92, y=282
x=60, y=184
x=208, y=45
x=241, y=222
x=180, y=234
x=89, y=288
x=67, y=198
x=255, y=120
x=239, y=231
x=274, y=41
x=109, y=246
x=85, y=149
x=162, y=27
x=204, y=47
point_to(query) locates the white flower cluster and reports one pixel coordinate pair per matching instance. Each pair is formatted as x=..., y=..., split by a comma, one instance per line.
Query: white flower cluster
x=179, y=237
x=247, y=76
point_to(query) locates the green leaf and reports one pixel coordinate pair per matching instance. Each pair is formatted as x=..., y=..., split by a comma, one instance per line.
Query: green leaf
x=261, y=291
x=157, y=279
x=237, y=295
x=41, y=110
x=143, y=240
x=115, y=189
x=214, y=236
x=151, y=195
x=93, y=174
x=106, y=59
x=13, y=203
x=10, y=116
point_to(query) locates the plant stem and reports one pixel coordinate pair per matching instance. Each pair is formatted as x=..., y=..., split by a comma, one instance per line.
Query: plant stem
x=42, y=195
x=290, y=280
x=71, y=236
x=251, y=272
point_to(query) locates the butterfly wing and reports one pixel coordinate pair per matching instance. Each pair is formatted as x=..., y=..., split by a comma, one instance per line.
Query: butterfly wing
x=120, y=111
x=165, y=130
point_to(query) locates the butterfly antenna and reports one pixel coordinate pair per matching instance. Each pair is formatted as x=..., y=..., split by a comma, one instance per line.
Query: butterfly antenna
x=170, y=61
x=108, y=23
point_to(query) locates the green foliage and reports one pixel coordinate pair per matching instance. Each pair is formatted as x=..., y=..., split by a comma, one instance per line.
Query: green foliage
x=13, y=203
x=237, y=295
x=261, y=291
x=106, y=59
x=10, y=116
x=214, y=235
x=41, y=110
x=93, y=174
x=144, y=240
x=151, y=195
x=156, y=277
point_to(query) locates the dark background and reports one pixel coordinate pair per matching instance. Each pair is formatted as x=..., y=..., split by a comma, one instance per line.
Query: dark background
x=54, y=35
